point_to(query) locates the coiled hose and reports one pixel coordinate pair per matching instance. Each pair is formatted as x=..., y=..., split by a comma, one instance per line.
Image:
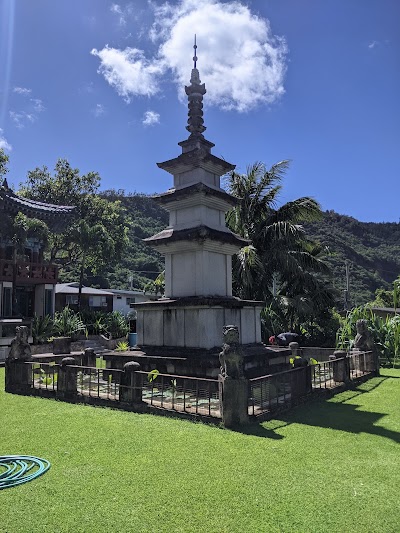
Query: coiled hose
x=20, y=469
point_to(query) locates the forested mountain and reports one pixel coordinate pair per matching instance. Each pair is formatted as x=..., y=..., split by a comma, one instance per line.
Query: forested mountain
x=373, y=250
x=140, y=262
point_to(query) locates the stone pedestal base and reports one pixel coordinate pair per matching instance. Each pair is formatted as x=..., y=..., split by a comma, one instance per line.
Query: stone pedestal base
x=196, y=322
x=62, y=345
x=18, y=376
x=66, y=382
x=130, y=389
x=234, y=397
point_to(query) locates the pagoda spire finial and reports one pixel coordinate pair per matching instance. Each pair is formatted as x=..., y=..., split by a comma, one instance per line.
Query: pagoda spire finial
x=195, y=54
x=195, y=92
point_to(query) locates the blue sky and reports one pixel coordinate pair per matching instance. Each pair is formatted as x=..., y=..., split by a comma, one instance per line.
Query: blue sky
x=314, y=81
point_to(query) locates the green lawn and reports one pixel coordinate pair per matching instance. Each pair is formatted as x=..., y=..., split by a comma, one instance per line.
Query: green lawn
x=327, y=466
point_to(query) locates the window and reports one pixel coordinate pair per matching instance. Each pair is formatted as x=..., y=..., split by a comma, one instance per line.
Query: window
x=97, y=301
x=71, y=299
x=48, y=302
x=119, y=297
x=7, y=295
x=130, y=300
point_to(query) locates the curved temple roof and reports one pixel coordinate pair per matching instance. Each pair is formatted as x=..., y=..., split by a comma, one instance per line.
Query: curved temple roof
x=11, y=203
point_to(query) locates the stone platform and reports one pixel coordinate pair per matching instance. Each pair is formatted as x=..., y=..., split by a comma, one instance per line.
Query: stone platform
x=258, y=360
x=195, y=323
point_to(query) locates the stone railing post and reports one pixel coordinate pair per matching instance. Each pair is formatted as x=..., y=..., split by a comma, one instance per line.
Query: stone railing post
x=295, y=349
x=300, y=381
x=233, y=386
x=130, y=388
x=371, y=362
x=341, y=366
x=18, y=376
x=88, y=358
x=66, y=382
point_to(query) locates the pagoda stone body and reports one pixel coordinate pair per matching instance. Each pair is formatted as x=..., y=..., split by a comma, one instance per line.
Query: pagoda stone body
x=198, y=250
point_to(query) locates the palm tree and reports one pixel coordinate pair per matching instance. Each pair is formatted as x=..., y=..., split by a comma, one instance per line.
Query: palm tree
x=279, y=248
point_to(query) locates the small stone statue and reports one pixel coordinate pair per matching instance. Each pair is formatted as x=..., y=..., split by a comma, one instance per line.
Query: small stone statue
x=231, y=357
x=19, y=375
x=363, y=340
x=20, y=349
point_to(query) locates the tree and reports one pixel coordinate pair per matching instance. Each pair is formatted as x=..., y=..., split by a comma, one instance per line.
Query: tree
x=279, y=253
x=98, y=234
x=385, y=298
x=3, y=163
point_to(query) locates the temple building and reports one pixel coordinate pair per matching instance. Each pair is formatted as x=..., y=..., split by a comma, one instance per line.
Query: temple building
x=198, y=249
x=34, y=279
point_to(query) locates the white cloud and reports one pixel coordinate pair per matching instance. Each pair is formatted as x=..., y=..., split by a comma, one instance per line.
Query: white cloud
x=115, y=8
x=150, y=118
x=240, y=60
x=29, y=114
x=373, y=44
x=22, y=90
x=37, y=105
x=3, y=142
x=87, y=88
x=99, y=110
x=128, y=71
x=123, y=13
x=22, y=118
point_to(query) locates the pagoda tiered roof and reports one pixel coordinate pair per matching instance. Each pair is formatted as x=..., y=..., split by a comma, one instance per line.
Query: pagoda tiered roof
x=172, y=195
x=197, y=158
x=199, y=234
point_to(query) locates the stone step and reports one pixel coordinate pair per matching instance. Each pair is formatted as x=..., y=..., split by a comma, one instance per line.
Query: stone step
x=96, y=345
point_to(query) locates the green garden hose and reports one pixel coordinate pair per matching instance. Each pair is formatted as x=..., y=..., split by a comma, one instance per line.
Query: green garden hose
x=20, y=469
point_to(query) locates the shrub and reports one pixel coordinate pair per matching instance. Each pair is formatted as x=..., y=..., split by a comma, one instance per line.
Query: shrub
x=42, y=329
x=116, y=325
x=67, y=323
x=122, y=346
x=95, y=321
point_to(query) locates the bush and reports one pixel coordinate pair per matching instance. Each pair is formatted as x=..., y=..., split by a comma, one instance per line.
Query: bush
x=42, y=329
x=116, y=325
x=67, y=323
x=95, y=321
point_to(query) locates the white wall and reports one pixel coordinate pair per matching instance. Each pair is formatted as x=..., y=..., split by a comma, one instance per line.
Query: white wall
x=119, y=301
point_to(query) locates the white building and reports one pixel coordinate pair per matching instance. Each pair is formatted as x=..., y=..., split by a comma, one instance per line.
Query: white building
x=123, y=300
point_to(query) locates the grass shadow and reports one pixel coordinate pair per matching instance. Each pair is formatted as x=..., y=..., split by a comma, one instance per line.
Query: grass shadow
x=257, y=430
x=341, y=415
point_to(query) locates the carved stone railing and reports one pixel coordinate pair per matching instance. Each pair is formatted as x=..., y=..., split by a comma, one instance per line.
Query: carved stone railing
x=32, y=272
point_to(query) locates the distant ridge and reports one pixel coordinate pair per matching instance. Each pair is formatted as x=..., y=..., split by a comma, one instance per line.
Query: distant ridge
x=372, y=248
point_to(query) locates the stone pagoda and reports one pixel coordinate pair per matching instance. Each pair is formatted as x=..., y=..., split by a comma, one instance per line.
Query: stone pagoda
x=198, y=250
